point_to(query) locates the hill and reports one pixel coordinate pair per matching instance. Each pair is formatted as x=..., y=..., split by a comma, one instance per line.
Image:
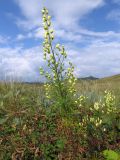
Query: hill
x=98, y=86
x=115, y=78
x=88, y=78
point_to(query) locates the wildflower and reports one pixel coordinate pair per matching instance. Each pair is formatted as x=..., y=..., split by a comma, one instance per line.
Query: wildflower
x=43, y=11
x=100, y=121
x=41, y=71
x=49, y=24
x=30, y=131
x=44, y=19
x=24, y=127
x=91, y=108
x=104, y=129
x=51, y=31
x=76, y=102
x=45, y=27
x=92, y=119
x=96, y=106
x=97, y=124
x=52, y=37
x=70, y=81
x=55, y=60
x=14, y=126
x=49, y=17
x=48, y=97
x=102, y=111
x=57, y=46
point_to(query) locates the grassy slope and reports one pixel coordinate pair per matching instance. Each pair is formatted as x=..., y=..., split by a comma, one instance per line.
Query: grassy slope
x=113, y=81
x=112, y=78
x=97, y=87
x=26, y=93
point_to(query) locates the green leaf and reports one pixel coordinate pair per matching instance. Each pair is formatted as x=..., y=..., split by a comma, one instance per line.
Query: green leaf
x=111, y=155
x=60, y=144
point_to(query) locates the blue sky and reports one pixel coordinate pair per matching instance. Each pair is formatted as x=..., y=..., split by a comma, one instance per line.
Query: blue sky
x=89, y=29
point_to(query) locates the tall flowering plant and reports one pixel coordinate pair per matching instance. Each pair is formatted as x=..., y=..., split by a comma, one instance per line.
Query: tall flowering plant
x=60, y=86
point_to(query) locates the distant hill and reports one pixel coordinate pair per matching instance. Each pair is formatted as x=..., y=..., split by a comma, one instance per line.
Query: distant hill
x=114, y=78
x=110, y=78
x=88, y=78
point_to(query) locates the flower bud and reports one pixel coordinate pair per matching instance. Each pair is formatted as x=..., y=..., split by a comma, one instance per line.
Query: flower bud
x=45, y=27
x=49, y=24
x=57, y=46
x=49, y=17
x=52, y=37
x=51, y=31
x=43, y=11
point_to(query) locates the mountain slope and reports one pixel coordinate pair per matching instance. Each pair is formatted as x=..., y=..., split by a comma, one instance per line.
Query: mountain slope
x=88, y=78
x=111, y=78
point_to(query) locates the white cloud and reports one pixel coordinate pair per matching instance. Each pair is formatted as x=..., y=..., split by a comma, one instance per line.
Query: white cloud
x=106, y=34
x=20, y=37
x=59, y=34
x=24, y=36
x=100, y=56
x=20, y=64
x=65, y=12
x=69, y=12
x=98, y=59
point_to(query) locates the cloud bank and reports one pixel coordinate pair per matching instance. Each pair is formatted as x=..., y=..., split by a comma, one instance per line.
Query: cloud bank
x=99, y=59
x=93, y=53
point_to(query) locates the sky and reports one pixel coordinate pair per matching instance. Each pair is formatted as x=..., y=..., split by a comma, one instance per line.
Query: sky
x=89, y=30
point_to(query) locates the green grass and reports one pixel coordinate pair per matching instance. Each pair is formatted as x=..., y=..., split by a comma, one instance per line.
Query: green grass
x=99, y=86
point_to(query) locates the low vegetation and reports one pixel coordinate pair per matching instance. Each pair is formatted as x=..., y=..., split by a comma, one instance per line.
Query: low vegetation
x=63, y=119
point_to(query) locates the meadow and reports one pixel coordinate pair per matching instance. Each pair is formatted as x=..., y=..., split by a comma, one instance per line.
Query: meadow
x=29, y=131
x=63, y=119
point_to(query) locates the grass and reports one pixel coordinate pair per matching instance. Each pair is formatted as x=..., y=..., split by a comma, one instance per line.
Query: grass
x=29, y=129
x=97, y=87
